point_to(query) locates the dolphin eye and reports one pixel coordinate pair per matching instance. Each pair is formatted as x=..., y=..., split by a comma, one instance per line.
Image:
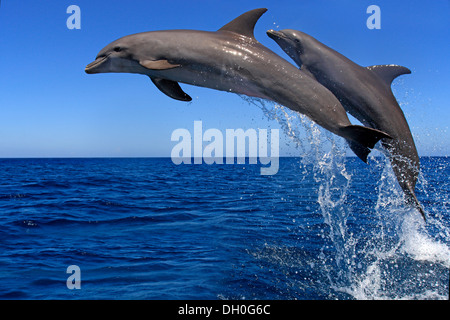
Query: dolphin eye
x=296, y=40
x=117, y=49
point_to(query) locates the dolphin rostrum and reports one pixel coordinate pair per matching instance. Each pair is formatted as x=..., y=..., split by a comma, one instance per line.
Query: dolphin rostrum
x=366, y=94
x=231, y=60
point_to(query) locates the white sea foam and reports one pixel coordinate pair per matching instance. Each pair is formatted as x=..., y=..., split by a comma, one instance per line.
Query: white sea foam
x=419, y=245
x=399, y=258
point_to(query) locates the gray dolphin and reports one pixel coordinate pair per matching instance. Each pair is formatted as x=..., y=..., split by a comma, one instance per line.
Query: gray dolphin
x=231, y=60
x=366, y=94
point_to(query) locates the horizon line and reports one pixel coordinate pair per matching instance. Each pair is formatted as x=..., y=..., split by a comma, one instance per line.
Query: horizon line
x=168, y=157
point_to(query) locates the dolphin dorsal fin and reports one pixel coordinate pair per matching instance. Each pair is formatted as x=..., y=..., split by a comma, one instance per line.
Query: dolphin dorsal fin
x=245, y=23
x=389, y=72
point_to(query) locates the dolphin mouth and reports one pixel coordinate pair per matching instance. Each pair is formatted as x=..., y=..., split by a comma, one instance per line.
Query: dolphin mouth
x=275, y=34
x=92, y=67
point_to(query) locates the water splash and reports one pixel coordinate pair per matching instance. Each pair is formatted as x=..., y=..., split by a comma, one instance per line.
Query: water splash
x=399, y=258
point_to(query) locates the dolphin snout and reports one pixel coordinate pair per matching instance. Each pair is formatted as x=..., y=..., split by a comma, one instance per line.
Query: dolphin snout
x=93, y=67
x=275, y=34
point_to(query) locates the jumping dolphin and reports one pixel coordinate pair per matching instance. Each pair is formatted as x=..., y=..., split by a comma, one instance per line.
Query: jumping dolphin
x=231, y=60
x=366, y=94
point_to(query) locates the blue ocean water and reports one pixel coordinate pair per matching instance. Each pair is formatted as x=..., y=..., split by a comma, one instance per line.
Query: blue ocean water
x=328, y=227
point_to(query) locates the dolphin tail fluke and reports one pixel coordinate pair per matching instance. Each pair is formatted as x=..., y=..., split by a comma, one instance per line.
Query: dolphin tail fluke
x=411, y=200
x=362, y=139
x=358, y=149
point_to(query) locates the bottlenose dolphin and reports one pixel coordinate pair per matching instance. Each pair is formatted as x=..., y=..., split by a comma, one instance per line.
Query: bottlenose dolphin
x=231, y=60
x=366, y=94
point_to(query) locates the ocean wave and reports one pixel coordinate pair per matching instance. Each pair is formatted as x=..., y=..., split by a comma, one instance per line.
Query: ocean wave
x=157, y=218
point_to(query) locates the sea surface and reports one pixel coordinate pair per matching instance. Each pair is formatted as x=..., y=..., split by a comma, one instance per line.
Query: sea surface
x=326, y=226
x=145, y=228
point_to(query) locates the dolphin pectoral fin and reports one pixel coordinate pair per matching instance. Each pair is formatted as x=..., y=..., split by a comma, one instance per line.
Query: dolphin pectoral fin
x=245, y=23
x=158, y=64
x=171, y=89
x=362, y=139
x=389, y=72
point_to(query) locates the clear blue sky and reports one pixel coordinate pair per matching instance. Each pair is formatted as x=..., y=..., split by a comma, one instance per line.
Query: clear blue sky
x=49, y=107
